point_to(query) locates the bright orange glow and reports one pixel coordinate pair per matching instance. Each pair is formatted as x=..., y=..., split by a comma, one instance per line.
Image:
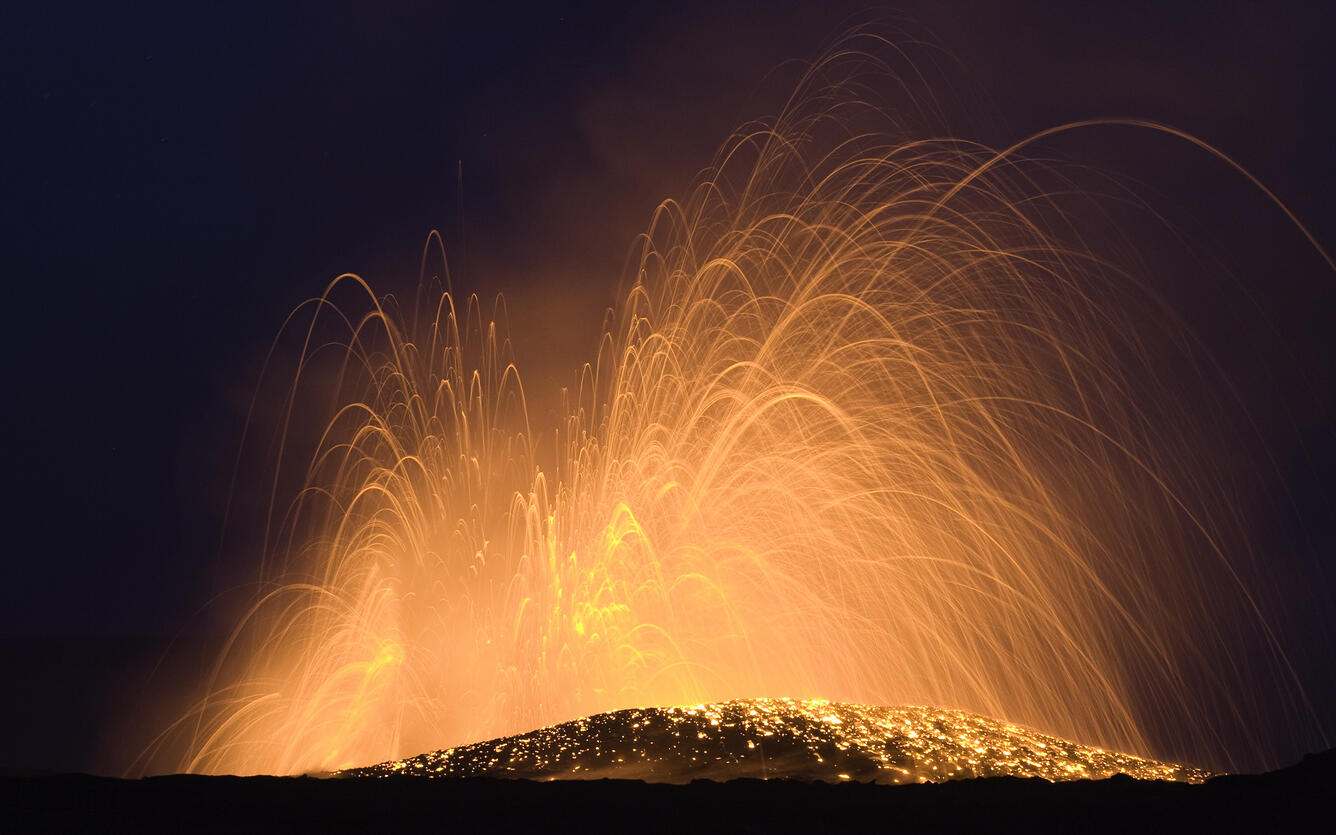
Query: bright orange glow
x=872, y=425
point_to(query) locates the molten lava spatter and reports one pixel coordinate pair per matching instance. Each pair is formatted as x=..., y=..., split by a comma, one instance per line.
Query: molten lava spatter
x=781, y=739
x=870, y=419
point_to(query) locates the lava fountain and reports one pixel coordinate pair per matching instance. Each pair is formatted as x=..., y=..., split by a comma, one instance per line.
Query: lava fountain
x=872, y=423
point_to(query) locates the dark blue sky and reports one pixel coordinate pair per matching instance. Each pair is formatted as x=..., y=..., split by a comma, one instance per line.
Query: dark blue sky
x=177, y=177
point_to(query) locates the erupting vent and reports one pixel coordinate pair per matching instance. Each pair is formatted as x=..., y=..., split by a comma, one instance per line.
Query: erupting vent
x=810, y=739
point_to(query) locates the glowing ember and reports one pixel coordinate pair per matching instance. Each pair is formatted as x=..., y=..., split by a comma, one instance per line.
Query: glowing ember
x=778, y=739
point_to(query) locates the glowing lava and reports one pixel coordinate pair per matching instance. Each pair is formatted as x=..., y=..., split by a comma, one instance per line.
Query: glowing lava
x=781, y=739
x=871, y=423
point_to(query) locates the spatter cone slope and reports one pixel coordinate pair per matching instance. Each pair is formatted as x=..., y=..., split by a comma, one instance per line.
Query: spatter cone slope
x=781, y=738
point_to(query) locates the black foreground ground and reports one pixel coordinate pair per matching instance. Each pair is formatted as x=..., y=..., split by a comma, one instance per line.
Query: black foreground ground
x=1295, y=799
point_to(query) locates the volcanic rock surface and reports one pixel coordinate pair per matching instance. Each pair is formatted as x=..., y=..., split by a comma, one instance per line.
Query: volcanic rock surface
x=781, y=739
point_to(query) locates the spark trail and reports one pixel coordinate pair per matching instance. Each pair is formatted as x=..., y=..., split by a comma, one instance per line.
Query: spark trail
x=872, y=423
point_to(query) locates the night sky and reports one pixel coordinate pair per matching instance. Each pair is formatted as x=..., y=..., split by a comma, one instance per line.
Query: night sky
x=177, y=178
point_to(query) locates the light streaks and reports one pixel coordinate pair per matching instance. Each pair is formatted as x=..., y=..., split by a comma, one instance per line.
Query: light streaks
x=872, y=422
